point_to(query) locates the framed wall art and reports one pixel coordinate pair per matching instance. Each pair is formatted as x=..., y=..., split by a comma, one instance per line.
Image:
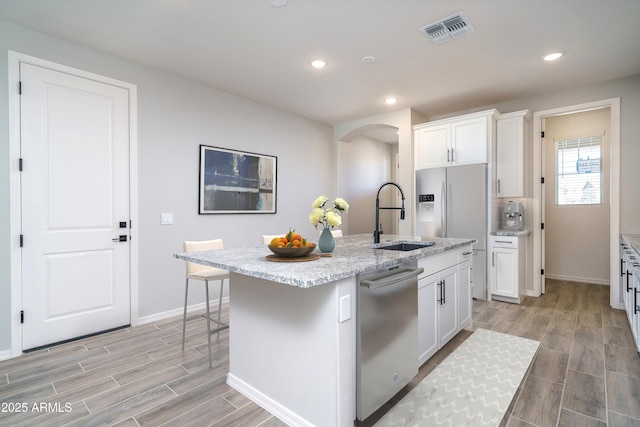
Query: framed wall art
x=234, y=181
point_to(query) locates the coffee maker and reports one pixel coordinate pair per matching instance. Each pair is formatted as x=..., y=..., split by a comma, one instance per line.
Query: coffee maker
x=512, y=216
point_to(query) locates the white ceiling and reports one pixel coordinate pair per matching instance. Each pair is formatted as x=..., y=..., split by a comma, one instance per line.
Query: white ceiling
x=255, y=50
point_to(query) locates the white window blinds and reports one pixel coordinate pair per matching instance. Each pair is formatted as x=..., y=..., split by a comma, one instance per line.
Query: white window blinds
x=579, y=171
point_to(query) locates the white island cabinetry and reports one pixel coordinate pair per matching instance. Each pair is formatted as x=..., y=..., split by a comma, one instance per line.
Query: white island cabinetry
x=444, y=299
x=293, y=326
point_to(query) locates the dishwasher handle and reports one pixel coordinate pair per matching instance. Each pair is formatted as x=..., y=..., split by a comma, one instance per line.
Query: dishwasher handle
x=393, y=279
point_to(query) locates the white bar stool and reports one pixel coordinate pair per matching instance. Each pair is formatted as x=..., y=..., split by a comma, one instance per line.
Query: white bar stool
x=204, y=273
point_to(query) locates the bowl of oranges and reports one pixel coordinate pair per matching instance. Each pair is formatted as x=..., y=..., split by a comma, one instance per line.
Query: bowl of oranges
x=291, y=245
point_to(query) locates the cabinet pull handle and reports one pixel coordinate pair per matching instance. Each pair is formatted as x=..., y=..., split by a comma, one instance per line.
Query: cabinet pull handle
x=498, y=186
x=440, y=292
x=448, y=158
x=452, y=159
x=628, y=274
x=493, y=259
x=467, y=253
x=504, y=241
x=621, y=267
x=635, y=302
x=444, y=292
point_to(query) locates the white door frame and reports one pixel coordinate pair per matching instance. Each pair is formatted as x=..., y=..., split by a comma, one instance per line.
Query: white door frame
x=15, y=204
x=614, y=198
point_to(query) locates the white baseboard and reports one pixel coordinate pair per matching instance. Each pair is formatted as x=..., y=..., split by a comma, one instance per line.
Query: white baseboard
x=275, y=408
x=578, y=279
x=177, y=312
x=5, y=354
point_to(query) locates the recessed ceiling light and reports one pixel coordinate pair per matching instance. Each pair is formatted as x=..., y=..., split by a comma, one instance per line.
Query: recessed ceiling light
x=368, y=59
x=318, y=63
x=552, y=56
x=390, y=100
x=278, y=3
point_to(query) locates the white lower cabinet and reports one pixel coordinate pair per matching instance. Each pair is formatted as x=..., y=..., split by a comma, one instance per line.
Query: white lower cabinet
x=630, y=288
x=507, y=268
x=444, y=299
x=465, y=292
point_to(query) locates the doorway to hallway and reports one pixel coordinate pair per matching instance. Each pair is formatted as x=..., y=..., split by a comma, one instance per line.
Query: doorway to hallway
x=539, y=259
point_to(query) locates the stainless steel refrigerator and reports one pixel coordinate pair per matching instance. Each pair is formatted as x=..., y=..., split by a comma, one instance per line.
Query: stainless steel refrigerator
x=452, y=202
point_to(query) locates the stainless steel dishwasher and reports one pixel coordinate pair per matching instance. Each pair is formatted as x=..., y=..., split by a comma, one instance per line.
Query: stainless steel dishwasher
x=387, y=336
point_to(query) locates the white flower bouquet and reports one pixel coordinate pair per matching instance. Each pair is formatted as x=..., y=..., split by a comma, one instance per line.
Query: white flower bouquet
x=328, y=216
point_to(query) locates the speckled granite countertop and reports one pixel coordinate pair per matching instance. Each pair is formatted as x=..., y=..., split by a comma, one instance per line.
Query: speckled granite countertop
x=352, y=255
x=510, y=233
x=633, y=240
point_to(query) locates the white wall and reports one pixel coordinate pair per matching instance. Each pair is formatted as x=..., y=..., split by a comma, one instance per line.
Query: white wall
x=175, y=117
x=403, y=120
x=364, y=164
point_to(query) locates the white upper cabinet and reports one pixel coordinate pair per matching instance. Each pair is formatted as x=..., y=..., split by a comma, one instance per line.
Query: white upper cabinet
x=462, y=140
x=510, y=158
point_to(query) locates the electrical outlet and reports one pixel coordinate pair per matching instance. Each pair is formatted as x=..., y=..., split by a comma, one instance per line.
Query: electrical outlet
x=166, y=218
x=345, y=308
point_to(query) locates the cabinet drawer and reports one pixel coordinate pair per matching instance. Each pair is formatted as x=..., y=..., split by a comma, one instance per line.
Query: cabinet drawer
x=436, y=263
x=504, y=242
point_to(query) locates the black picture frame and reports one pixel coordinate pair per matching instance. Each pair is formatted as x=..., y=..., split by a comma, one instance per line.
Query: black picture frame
x=233, y=181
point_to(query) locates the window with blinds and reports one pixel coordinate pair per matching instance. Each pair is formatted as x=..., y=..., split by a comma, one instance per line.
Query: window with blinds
x=579, y=171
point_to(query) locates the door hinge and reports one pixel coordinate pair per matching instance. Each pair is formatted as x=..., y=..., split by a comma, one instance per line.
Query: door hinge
x=542, y=226
x=542, y=180
x=542, y=272
x=21, y=240
x=19, y=88
x=21, y=316
x=20, y=164
x=542, y=134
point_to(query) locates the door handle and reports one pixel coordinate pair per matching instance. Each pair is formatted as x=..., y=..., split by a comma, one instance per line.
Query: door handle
x=121, y=238
x=401, y=276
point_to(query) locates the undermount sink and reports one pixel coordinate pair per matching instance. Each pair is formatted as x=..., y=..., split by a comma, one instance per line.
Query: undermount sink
x=406, y=246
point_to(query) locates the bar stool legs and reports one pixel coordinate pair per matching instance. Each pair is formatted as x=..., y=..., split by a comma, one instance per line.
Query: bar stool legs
x=220, y=326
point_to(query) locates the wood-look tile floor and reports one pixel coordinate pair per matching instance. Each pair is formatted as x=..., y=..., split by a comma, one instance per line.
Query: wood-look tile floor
x=586, y=372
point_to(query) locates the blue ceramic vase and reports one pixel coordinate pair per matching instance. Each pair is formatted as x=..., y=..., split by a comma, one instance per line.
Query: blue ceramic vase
x=326, y=242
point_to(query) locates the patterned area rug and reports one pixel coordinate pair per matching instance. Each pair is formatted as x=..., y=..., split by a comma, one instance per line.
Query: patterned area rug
x=472, y=387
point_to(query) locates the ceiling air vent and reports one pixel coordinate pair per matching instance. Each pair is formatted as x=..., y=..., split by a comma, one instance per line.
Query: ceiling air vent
x=448, y=28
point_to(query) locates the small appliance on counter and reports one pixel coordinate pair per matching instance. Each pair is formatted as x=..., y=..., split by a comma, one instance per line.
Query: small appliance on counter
x=512, y=216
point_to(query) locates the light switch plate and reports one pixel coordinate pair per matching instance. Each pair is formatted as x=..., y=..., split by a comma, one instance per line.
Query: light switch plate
x=345, y=308
x=167, y=218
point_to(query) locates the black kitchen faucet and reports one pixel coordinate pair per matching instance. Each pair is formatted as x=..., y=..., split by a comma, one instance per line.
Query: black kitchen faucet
x=377, y=232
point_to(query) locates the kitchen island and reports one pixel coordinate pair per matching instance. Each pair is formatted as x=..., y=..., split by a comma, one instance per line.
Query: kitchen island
x=292, y=346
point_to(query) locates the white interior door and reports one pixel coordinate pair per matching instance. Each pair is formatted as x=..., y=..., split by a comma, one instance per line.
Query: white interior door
x=75, y=203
